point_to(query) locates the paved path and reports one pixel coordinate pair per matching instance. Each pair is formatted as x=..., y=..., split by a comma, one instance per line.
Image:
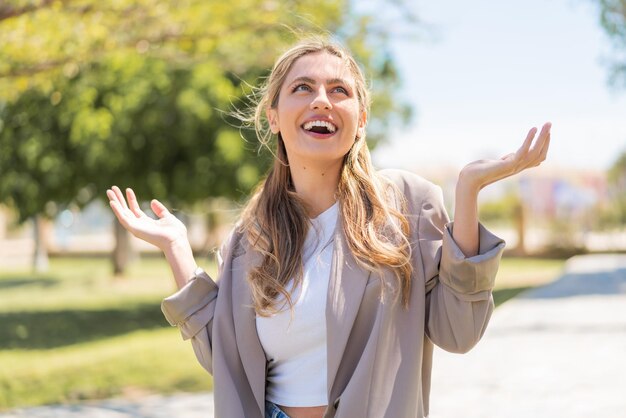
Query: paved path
x=556, y=351
x=176, y=406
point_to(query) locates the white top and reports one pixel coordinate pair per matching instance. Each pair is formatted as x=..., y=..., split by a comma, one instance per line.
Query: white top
x=296, y=348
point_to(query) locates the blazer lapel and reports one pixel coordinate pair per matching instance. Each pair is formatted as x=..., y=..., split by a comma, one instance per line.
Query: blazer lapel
x=346, y=287
x=345, y=292
x=248, y=343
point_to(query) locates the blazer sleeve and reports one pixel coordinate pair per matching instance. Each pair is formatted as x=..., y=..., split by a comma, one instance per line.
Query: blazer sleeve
x=459, y=300
x=192, y=309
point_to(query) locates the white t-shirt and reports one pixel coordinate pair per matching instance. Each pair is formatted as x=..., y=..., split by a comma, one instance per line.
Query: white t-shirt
x=296, y=348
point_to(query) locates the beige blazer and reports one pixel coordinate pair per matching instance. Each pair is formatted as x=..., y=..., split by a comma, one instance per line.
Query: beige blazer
x=379, y=355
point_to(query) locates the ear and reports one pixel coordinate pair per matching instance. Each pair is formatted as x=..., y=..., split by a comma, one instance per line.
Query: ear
x=272, y=117
x=360, y=133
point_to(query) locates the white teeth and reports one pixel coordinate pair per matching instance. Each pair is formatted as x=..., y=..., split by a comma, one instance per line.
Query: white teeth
x=309, y=125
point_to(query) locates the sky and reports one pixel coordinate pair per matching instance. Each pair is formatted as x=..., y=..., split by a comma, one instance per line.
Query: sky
x=484, y=72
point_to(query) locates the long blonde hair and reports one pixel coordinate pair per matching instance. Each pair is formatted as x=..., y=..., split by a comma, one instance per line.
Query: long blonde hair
x=275, y=219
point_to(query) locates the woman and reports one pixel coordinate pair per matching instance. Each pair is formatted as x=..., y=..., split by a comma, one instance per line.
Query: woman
x=338, y=279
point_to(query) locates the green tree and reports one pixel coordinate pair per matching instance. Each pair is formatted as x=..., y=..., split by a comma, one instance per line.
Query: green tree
x=613, y=20
x=613, y=213
x=617, y=182
x=35, y=167
x=95, y=93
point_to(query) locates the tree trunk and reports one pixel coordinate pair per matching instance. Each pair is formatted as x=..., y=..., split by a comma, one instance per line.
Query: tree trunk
x=3, y=223
x=520, y=227
x=212, y=220
x=40, y=255
x=216, y=217
x=122, y=252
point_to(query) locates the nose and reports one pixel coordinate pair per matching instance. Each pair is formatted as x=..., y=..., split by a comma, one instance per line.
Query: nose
x=320, y=100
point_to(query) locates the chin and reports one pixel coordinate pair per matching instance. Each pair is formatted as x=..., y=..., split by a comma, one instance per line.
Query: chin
x=317, y=155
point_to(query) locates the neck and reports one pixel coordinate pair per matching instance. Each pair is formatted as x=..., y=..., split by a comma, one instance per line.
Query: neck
x=316, y=184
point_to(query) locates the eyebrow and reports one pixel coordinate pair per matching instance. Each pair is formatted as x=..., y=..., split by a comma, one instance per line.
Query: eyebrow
x=311, y=81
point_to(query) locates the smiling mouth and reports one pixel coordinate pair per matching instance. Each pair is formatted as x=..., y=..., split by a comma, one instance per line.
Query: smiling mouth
x=320, y=127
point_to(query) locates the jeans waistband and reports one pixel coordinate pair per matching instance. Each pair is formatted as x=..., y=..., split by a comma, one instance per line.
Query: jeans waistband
x=273, y=411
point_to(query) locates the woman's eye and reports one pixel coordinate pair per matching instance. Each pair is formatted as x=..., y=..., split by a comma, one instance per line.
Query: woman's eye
x=301, y=87
x=341, y=90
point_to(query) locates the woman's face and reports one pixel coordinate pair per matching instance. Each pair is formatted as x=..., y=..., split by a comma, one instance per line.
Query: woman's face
x=318, y=112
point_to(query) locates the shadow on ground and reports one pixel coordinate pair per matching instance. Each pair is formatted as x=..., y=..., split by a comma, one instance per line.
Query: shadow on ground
x=612, y=282
x=21, y=282
x=502, y=295
x=50, y=329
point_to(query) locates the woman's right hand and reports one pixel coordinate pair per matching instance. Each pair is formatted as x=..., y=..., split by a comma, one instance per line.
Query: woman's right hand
x=164, y=232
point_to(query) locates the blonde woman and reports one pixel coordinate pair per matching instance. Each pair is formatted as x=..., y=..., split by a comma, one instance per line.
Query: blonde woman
x=338, y=279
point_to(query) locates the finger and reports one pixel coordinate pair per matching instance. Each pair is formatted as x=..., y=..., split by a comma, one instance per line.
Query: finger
x=527, y=142
x=158, y=208
x=541, y=139
x=133, y=204
x=120, y=197
x=113, y=197
x=544, y=150
x=546, y=141
x=536, y=155
x=119, y=213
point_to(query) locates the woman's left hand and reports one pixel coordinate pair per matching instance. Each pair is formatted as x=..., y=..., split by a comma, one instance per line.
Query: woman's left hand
x=481, y=173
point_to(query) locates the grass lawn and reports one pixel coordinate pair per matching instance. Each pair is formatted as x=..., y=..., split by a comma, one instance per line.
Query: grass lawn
x=76, y=333
x=137, y=362
x=516, y=275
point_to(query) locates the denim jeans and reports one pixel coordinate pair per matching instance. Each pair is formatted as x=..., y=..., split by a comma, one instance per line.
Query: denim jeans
x=273, y=411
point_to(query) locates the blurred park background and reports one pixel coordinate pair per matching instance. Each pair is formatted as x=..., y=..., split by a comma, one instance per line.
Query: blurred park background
x=140, y=94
